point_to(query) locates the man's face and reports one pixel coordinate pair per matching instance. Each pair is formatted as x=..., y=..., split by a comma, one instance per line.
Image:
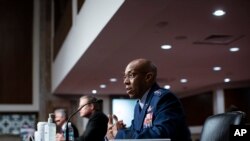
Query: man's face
x=59, y=119
x=87, y=109
x=135, y=82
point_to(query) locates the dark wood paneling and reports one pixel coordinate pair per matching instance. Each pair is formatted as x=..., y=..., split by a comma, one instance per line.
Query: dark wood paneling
x=63, y=23
x=79, y=5
x=16, y=51
x=198, y=108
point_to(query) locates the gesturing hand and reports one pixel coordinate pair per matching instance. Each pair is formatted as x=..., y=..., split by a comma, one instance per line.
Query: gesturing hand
x=113, y=126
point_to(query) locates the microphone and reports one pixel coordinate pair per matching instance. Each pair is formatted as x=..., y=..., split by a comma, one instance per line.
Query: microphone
x=67, y=128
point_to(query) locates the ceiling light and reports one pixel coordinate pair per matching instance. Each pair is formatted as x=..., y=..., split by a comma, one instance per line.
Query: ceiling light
x=183, y=80
x=94, y=91
x=226, y=80
x=166, y=47
x=167, y=87
x=103, y=86
x=112, y=79
x=234, y=49
x=217, y=68
x=219, y=13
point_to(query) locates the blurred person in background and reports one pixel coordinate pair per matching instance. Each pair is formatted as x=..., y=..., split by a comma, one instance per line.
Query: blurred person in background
x=90, y=108
x=61, y=118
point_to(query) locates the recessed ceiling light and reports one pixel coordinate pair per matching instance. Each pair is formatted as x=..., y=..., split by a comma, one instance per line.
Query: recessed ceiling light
x=94, y=91
x=166, y=47
x=234, y=49
x=219, y=13
x=103, y=86
x=112, y=79
x=167, y=86
x=183, y=80
x=226, y=80
x=217, y=68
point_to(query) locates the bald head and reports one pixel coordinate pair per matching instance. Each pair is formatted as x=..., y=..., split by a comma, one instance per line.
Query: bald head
x=143, y=65
x=140, y=75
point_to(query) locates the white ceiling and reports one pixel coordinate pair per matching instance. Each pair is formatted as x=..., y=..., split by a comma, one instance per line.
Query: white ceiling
x=199, y=42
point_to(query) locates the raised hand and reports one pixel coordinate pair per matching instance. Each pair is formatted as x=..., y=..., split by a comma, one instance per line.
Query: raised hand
x=109, y=133
x=113, y=126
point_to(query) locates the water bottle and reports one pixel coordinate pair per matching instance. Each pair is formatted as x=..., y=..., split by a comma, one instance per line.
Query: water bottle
x=40, y=131
x=50, y=129
x=71, y=132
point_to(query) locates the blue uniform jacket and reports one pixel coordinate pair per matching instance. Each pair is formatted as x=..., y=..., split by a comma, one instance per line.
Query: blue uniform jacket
x=161, y=117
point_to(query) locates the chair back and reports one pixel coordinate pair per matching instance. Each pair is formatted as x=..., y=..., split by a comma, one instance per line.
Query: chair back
x=217, y=127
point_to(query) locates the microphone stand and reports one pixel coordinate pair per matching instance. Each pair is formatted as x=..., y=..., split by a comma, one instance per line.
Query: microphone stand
x=67, y=128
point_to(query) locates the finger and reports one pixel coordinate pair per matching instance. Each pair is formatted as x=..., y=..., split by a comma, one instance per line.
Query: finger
x=110, y=135
x=119, y=124
x=110, y=119
x=123, y=125
x=115, y=118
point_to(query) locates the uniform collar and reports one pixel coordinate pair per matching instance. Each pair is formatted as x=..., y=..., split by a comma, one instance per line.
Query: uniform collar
x=143, y=99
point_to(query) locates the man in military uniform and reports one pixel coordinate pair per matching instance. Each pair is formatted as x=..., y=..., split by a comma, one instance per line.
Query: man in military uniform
x=158, y=112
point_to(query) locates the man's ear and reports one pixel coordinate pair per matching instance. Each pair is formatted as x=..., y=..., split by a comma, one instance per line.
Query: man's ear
x=92, y=106
x=149, y=76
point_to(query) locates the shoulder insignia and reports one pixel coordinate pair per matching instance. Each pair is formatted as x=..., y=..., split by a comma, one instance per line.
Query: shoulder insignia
x=158, y=93
x=150, y=109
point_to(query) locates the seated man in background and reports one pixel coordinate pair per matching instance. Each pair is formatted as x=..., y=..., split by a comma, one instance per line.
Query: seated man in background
x=96, y=129
x=97, y=125
x=158, y=112
x=61, y=118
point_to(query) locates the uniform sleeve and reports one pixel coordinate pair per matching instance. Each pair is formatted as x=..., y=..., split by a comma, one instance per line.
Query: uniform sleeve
x=168, y=119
